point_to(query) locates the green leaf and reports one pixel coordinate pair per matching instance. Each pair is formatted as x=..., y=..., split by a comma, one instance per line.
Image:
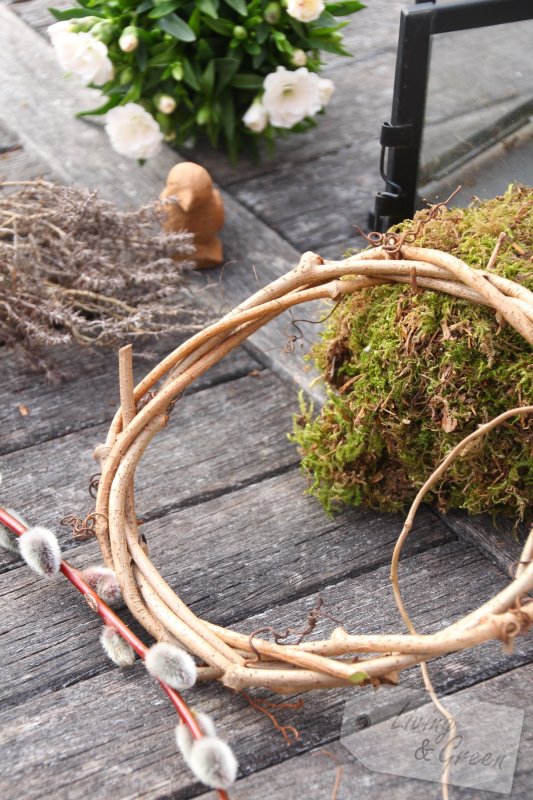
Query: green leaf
x=329, y=47
x=221, y=26
x=239, y=6
x=326, y=31
x=103, y=109
x=226, y=69
x=164, y=8
x=208, y=78
x=73, y=13
x=253, y=48
x=177, y=28
x=245, y=81
x=343, y=8
x=163, y=59
x=195, y=21
x=190, y=76
x=141, y=55
x=208, y=7
x=262, y=32
x=227, y=112
x=258, y=60
x=324, y=19
x=204, y=50
x=144, y=6
x=297, y=27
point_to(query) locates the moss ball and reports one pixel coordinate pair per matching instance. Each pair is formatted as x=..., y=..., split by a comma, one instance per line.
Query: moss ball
x=410, y=373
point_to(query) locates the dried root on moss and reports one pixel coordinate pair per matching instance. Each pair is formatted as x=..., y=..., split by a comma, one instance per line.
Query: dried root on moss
x=73, y=267
x=411, y=373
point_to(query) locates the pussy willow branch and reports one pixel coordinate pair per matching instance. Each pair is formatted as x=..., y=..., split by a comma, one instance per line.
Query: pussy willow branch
x=97, y=605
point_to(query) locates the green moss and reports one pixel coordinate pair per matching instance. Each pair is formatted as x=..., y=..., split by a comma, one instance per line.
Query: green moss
x=410, y=374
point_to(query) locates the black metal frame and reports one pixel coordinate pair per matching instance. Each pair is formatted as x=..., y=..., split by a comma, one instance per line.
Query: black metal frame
x=401, y=138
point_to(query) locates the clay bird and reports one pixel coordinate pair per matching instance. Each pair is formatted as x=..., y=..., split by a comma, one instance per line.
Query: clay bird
x=199, y=209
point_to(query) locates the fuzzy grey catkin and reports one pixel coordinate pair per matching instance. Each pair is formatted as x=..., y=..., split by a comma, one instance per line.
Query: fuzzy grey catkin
x=172, y=665
x=212, y=761
x=93, y=574
x=104, y=582
x=40, y=550
x=184, y=738
x=118, y=650
x=108, y=590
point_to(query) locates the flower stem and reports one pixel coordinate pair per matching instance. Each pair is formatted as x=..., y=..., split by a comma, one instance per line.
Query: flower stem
x=96, y=604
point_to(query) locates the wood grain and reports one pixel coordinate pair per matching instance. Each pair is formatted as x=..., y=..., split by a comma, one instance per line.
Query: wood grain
x=89, y=395
x=315, y=772
x=185, y=464
x=125, y=742
x=230, y=557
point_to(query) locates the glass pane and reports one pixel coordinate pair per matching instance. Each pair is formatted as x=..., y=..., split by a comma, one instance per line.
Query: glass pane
x=478, y=129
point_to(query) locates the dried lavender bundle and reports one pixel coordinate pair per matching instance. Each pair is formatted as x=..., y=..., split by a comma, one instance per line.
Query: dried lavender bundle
x=74, y=268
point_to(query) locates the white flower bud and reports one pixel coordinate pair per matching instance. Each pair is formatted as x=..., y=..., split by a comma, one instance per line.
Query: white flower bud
x=256, y=118
x=129, y=41
x=166, y=104
x=213, y=762
x=8, y=539
x=40, y=550
x=184, y=738
x=326, y=87
x=299, y=58
x=118, y=650
x=172, y=665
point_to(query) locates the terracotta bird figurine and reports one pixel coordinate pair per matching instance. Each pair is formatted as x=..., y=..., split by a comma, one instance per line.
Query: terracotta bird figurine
x=199, y=209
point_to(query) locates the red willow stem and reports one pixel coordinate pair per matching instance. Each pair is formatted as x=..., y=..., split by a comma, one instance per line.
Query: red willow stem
x=96, y=604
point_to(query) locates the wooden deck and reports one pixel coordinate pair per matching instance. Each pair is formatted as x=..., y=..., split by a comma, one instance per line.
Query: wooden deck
x=220, y=491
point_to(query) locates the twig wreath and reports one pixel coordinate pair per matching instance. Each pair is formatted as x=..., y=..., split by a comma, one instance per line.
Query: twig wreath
x=239, y=661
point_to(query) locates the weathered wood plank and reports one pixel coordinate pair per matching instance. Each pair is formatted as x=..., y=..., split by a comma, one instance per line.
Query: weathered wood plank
x=185, y=463
x=498, y=541
x=90, y=396
x=328, y=198
x=108, y=708
x=315, y=772
x=290, y=551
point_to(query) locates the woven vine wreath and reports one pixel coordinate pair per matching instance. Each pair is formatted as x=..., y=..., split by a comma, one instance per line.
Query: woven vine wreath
x=237, y=660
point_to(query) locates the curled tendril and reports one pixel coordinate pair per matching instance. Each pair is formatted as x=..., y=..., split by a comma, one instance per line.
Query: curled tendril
x=82, y=529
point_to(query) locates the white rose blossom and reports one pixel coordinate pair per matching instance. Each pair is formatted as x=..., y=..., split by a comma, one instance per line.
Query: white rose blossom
x=290, y=96
x=326, y=87
x=305, y=10
x=133, y=131
x=256, y=118
x=83, y=55
x=64, y=26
